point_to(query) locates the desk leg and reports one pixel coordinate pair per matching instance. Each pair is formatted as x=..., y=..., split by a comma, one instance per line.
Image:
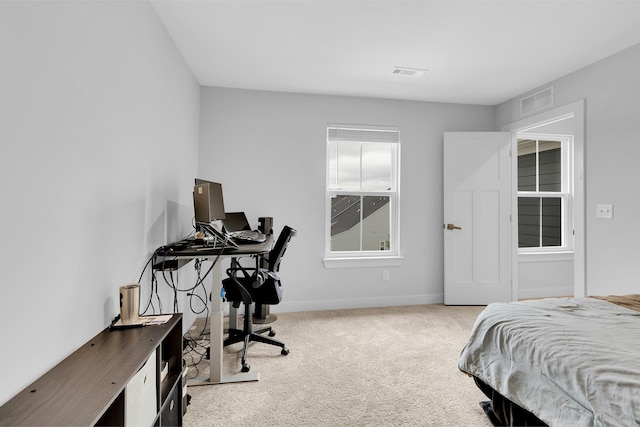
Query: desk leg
x=216, y=345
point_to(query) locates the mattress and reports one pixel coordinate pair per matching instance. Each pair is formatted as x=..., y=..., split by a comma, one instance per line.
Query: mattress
x=569, y=361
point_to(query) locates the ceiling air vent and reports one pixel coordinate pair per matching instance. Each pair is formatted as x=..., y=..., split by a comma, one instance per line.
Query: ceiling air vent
x=404, y=71
x=536, y=101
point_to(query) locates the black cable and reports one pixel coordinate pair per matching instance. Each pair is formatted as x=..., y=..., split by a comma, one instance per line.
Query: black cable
x=164, y=251
x=196, y=350
x=150, y=302
x=150, y=261
x=196, y=347
x=158, y=298
x=193, y=345
x=175, y=293
x=202, y=300
x=147, y=265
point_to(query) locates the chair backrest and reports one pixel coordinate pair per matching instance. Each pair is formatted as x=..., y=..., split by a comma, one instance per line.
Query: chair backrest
x=276, y=254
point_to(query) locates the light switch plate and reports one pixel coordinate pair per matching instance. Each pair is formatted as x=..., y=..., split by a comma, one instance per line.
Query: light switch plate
x=604, y=211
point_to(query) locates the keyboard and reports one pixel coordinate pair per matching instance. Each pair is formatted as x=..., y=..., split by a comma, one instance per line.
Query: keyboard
x=248, y=236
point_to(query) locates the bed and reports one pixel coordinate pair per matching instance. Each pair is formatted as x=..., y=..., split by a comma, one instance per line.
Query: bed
x=558, y=361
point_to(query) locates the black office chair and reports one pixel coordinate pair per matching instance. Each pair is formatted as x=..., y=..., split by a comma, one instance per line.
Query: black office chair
x=256, y=285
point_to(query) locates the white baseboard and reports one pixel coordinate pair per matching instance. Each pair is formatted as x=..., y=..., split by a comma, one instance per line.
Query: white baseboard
x=338, y=304
x=545, y=292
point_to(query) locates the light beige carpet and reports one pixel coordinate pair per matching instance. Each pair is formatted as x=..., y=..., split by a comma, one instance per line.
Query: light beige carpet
x=389, y=366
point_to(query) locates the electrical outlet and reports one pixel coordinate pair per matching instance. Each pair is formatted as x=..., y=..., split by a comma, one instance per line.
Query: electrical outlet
x=604, y=211
x=385, y=274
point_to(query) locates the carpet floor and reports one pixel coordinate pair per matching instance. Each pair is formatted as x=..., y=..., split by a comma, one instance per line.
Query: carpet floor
x=391, y=366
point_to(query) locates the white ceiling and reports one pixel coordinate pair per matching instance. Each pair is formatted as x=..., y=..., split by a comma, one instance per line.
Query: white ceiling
x=477, y=51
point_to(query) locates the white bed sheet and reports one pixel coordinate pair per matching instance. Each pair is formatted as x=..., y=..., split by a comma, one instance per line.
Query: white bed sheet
x=571, y=362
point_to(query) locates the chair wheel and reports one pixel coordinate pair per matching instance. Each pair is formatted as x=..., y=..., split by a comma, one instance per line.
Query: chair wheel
x=272, y=333
x=246, y=367
x=284, y=351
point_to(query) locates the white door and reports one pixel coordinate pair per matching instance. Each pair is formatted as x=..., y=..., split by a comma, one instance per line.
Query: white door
x=477, y=218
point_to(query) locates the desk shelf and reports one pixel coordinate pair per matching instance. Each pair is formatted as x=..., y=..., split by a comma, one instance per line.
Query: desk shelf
x=89, y=387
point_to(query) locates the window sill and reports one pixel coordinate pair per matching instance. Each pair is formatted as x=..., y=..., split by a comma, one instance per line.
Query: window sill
x=545, y=256
x=352, y=262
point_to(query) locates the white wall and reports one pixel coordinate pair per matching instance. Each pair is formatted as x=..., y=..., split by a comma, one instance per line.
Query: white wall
x=611, y=89
x=541, y=276
x=279, y=141
x=99, y=133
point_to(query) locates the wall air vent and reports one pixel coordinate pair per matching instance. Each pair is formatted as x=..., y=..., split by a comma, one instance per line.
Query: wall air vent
x=404, y=71
x=536, y=101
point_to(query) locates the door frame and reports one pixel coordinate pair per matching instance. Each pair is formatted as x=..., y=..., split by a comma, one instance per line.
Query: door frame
x=576, y=110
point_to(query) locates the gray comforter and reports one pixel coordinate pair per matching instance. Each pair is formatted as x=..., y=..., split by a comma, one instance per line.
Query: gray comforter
x=569, y=361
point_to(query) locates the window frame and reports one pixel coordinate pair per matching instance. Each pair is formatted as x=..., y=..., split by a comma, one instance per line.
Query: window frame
x=390, y=257
x=566, y=193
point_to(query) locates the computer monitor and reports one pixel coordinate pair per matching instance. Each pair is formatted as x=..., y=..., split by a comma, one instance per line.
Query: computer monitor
x=208, y=204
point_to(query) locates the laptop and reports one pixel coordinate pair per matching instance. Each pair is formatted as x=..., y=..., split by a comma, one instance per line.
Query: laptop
x=237, y=226
x=214, y=237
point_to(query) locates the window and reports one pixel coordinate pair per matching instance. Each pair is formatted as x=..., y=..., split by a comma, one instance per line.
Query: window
x=544, y=193
x=362, y=191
